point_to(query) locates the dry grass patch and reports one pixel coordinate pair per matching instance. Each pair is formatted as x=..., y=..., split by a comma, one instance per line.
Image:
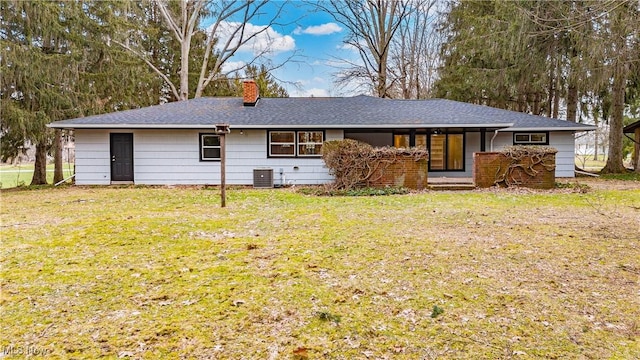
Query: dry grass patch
x=165, y=273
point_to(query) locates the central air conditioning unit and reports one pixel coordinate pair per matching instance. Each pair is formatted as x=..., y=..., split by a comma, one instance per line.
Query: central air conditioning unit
x=263, y=178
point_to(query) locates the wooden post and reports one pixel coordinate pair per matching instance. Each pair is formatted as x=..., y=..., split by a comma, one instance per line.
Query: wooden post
x=636, y=151
x=222, y=130
x=223, y=175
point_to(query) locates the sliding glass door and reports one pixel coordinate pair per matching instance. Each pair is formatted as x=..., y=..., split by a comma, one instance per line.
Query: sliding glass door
x=446, y=152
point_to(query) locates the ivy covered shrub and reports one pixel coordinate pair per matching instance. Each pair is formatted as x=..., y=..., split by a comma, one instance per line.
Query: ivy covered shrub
x=356, y=164
x=528, y=166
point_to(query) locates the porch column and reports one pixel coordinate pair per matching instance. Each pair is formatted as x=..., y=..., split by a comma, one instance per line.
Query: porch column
x=483, y=140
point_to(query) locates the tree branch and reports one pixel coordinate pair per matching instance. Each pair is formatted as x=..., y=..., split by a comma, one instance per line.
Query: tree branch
x=166, y=79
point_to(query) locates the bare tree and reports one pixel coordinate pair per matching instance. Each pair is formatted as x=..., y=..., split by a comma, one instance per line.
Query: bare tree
x=372, y=25
x=414, y=52
x=229, y=32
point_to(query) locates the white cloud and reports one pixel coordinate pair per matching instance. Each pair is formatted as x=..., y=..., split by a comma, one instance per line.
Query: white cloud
x=324, y=29
x=266, y=38
x=232, y=66
x=349, y=47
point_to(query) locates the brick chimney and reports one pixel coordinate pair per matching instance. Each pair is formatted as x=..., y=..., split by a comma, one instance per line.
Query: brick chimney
x=250, y=93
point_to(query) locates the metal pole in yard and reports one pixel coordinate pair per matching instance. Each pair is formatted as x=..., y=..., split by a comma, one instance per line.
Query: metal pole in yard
x=222, y=130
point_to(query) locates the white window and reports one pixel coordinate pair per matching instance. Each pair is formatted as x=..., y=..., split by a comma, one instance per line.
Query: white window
x=539, y=138
x=295, y=143
x=209, y=147
x=310, y=143
x=282, y=143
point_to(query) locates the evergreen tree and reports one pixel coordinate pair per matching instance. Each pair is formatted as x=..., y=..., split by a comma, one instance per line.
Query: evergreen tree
x=57, y=62
x=38, y=76
x=268, y=87
x=540, y=57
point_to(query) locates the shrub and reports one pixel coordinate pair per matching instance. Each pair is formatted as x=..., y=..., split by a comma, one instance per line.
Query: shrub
x=353, y=163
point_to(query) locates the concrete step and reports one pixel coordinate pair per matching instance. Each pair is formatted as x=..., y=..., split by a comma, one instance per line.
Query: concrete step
x=451, y=186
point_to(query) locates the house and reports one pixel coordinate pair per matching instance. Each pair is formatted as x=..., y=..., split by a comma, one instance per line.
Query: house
x=176, y=143
x=634, y=128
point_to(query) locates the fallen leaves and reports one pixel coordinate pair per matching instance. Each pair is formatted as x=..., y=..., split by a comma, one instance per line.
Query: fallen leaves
x=505, y=273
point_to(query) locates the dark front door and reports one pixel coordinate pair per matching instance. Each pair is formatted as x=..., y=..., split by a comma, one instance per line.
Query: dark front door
x=121, y=157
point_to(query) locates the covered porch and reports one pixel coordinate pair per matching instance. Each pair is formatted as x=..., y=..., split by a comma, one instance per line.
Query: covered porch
x=450, y=148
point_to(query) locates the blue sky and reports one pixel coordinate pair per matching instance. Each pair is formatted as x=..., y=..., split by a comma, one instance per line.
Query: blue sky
x=314, y=39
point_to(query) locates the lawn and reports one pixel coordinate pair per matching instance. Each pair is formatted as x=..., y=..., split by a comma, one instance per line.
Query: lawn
x=21, y=175
x=155, y=272
x=586, y=162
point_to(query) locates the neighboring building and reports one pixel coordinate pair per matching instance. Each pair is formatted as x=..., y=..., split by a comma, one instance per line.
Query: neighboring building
x=176, y=143
x=634, y=129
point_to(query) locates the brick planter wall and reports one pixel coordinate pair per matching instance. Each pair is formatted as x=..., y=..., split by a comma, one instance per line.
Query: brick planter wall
x=404, y=172
x=487, y=164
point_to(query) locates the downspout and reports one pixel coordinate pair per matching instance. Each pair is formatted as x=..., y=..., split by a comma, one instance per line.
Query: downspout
x=495, y=133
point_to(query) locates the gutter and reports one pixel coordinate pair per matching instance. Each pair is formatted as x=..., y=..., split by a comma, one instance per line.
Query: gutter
x=128, y=126
x=277, y=126
x=495, y=133
x=558, y=128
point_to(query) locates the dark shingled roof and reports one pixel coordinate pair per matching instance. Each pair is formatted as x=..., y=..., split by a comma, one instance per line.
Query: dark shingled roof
x=338, y=113
x=631, y=127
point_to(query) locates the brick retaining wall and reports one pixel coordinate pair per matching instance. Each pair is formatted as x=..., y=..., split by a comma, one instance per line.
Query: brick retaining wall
x=487, y=164
x=404, y=172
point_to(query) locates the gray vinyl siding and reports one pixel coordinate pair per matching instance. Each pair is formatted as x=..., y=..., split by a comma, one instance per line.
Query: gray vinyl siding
x=169, y=157
x=563, y=141
x=565, y=158
x=92, y=157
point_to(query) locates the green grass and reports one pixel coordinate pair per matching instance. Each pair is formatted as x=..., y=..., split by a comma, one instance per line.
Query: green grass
x=629, y=176
x=586, y=162
x=20, y=175
x=153, y=273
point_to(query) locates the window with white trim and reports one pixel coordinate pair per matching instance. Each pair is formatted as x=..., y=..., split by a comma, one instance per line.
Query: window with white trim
x=310, y=143
x=282, y=143
x=295, y=143
x=531, y=138
x=209, y=147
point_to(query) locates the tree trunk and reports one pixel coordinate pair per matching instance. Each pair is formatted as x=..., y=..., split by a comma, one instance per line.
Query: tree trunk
x=572, y=101
x=536, y=104
x=572, y=87
x=40, y=166
x=595, y=143
x=614, y=160
x=382, y=77
x=184, y=54
x=552, y=76
x=57, y=157
x=556, y=95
